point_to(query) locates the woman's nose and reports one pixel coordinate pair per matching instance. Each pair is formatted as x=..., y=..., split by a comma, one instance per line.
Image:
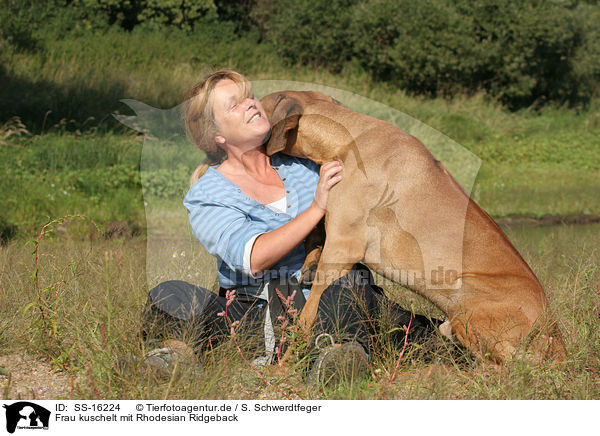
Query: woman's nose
x=249, y=103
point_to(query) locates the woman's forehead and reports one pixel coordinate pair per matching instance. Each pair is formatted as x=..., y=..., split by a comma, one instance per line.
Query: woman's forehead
x=227, y=89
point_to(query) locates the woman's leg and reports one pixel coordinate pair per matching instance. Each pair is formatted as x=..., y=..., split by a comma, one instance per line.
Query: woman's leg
x=352, y=306
x=197, y=316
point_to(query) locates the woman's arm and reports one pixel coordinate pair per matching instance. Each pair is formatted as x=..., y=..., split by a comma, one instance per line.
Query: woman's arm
x=269, y=248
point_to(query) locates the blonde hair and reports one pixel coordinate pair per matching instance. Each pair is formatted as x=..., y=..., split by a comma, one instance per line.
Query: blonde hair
x=200, y=119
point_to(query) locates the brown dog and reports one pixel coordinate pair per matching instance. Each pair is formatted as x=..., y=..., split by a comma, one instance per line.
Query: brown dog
x=399, y=211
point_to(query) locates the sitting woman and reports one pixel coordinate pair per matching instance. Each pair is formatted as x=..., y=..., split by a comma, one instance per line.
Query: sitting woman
x=253, y=212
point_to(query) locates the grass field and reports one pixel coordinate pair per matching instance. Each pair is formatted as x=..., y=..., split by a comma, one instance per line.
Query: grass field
x=531, y=164
x=91, y=294
x=61, y=153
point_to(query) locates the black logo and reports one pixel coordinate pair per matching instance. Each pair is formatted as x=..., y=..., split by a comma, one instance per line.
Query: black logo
x=26, y=415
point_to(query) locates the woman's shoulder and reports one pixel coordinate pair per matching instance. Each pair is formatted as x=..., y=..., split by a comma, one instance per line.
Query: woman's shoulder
x=211, y=186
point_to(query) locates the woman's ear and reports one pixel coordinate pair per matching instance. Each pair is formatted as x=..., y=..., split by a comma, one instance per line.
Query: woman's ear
x=284, y=121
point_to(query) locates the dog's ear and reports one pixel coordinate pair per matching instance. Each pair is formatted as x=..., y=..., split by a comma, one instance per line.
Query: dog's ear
x=284, y=120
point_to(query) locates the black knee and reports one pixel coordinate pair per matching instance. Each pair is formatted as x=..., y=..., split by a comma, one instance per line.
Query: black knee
x=176, y=310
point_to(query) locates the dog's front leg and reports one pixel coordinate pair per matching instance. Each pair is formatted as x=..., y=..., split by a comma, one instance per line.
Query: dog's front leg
x=347, y=252
x=337, y=259
x=314, y=247
x=325, y=275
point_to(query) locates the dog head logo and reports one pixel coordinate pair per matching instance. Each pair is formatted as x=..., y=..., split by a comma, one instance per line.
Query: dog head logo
x=26, y=415
x=167, y=161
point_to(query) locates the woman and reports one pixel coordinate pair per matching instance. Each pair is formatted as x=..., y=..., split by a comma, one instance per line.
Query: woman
x=253, y=212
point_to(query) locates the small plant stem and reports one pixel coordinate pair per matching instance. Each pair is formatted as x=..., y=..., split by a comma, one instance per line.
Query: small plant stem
x=93, y=383
x=230, y=297
x=7, y=387
x=289, y=310
x=172, y=379
x=393, y=377
x=36, y=270
x=108, y=302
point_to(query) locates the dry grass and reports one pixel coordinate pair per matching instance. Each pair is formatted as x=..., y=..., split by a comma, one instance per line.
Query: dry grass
x=93, y=292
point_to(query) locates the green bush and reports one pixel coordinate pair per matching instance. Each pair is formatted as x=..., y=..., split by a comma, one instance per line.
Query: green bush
x=62, y=59
x=314, y=32
x=530, y=56
x=425, y=47
x=18, y=22
x=237, y=12
x=520, y=52
x=586, y=63
x=153, y=13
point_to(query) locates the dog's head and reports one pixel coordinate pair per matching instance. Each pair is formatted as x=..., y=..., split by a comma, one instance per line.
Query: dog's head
x=305, y=124
x=284, y=111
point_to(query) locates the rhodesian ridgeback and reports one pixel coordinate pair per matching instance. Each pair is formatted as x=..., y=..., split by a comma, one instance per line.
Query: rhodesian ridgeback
x=398, y=210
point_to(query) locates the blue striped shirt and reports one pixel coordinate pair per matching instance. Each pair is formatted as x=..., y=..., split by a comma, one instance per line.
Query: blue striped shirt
x=224, y=219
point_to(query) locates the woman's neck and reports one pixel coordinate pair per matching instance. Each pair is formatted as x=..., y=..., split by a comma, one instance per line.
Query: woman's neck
x=252, y=162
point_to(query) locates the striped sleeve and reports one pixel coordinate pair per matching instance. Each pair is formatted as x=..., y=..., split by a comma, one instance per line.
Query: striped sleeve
x=224, y=231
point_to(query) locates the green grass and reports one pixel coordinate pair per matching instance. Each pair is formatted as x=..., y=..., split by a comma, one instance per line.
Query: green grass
x=64, y=92
x=98, y=174
x=547, y=189
x=57, y=174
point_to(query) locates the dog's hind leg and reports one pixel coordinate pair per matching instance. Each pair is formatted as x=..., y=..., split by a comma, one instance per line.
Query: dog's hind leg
x=494, y=330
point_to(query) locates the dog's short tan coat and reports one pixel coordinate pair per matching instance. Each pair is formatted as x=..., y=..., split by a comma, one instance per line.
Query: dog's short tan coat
x=398, y=209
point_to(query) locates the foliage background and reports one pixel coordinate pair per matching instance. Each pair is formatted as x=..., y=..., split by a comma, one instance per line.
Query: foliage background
x=516, y=82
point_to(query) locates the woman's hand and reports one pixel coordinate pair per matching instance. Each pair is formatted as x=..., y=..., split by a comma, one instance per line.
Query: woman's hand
x=328, y=177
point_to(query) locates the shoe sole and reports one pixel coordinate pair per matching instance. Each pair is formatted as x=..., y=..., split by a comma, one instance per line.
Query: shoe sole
x=338, y=363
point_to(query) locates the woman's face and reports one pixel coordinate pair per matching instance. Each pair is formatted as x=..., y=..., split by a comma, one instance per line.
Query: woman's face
x=241, y=122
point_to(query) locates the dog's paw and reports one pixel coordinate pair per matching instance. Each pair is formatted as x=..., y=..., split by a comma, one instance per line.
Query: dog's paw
x=308, y=273
x=446, y=330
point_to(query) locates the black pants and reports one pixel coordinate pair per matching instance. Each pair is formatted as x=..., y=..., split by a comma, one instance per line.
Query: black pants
x=352, y=308
x=199, y=317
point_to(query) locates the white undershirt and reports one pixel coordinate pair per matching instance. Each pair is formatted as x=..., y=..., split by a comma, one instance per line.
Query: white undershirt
x=278, y=206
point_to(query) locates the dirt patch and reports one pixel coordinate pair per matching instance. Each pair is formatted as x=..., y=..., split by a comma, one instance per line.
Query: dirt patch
x=546, y=220
x=29, y=378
